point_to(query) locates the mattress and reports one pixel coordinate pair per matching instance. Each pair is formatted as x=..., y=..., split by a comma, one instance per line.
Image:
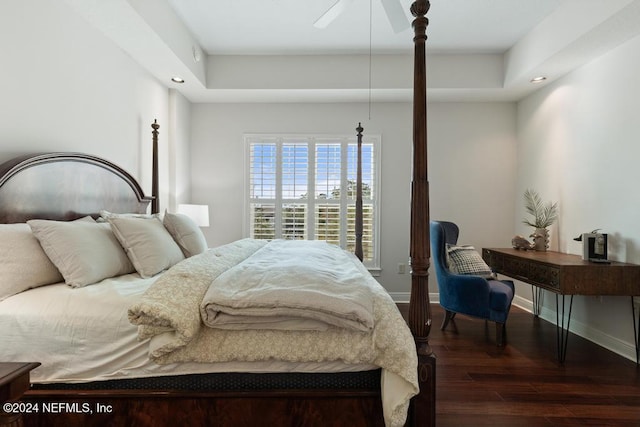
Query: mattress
x=84, y=335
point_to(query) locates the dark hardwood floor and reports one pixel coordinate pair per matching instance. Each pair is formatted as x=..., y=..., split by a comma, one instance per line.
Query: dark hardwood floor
x=522, y=384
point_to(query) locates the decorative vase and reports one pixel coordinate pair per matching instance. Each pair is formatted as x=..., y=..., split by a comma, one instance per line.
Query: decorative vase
x=541, y=239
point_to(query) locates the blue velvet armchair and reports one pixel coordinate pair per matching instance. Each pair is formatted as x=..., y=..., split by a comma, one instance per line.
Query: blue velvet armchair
x=468, y=294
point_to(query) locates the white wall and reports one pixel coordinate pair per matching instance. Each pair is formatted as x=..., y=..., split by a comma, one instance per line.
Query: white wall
x=472, y=167
x=179, y=150
x=578, y=145
x=66, y=87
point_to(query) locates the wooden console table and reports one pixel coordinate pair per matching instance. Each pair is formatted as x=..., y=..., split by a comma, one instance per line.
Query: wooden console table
x=566, y=274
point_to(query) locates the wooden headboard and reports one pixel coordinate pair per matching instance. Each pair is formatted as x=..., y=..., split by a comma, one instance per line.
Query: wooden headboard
x=65, y=186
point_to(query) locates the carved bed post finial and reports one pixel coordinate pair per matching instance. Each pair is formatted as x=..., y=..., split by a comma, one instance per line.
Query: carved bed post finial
x=155, y=203
x=420, y=250
x=359, y=232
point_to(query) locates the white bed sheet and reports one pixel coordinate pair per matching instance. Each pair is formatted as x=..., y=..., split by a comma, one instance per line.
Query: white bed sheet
x=83, y=334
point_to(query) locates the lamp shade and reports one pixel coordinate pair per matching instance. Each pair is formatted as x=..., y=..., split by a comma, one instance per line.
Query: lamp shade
x=198, y=213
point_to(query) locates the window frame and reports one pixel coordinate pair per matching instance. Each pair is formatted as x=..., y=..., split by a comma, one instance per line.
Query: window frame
x=312, y=202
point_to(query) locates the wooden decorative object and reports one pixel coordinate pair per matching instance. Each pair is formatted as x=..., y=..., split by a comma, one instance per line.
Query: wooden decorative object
x=423, y=406
x=420, y=250
x=65, y=186
x=155, y=203
x=359, y=227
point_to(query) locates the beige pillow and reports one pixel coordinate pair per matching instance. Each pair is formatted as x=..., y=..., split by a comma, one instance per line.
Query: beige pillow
x=23, y=265
x=149, y=245
x=186, y=233
x=85, y=252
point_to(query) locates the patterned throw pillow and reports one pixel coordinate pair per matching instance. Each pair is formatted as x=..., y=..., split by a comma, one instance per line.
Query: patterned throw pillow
x=466, y=260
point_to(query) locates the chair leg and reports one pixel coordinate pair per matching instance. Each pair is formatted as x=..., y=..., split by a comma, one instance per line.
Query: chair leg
x=448, y=315
x=501, y=330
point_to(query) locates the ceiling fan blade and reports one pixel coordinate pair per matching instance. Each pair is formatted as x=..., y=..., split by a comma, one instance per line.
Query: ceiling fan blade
x=331, y=14
x=396, y=15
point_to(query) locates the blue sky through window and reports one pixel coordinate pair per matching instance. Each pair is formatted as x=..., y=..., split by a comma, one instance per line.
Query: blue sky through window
x=263, y=171
x=328, y=170
x=295, y=169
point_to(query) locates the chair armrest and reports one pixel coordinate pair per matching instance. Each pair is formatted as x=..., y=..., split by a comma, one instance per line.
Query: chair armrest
x=463, y=290
x=469, y=282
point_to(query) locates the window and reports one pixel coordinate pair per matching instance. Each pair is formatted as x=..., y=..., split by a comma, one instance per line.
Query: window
x=305, y=188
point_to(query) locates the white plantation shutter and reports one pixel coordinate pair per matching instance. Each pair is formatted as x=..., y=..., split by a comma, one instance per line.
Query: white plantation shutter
x=263, y=224
x=295, y=170
x=263, y=170
x=327, y=223
x=328, y=170
x=305, y=188
x=294, y=221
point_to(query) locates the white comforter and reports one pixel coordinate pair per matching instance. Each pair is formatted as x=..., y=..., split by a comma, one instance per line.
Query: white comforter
x=172, y=320
x=291, y=285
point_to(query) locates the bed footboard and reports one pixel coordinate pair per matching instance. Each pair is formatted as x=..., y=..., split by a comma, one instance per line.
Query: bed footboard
x=71, y=408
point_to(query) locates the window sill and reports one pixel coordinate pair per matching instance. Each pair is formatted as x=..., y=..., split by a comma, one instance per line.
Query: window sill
x=375, y=271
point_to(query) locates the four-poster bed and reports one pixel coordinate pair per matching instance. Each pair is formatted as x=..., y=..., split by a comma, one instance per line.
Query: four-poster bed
x=345, y=398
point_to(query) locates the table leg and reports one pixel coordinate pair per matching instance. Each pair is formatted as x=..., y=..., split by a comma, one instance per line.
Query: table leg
x=636, y=331
x=562, y=333
x=536, y=296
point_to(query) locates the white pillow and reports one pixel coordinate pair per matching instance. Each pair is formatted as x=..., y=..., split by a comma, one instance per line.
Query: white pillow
x=186, y=233
x=149, y=245
x=85, y=252
x=24, y=264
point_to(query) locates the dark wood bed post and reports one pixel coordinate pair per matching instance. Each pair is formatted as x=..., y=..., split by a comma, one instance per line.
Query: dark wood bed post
x=358, y=252
x=423, y=406
x=155, y=203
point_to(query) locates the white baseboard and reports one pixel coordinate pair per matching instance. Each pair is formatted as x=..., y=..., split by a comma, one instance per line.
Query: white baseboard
x=400, y=296
x=614, y=344
x=618, y=346
x=403, y=297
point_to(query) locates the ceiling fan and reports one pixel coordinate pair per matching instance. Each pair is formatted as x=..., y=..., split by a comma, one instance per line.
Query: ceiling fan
x=393, y=8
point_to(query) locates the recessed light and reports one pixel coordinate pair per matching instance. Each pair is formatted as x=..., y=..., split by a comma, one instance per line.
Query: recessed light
x=538, y=79
x=177, y=79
